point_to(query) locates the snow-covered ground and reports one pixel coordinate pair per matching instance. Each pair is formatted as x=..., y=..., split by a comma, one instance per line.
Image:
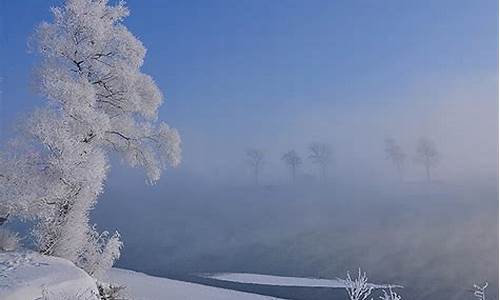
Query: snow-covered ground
x=24, y=275
x=282, y=280
x=140, y=286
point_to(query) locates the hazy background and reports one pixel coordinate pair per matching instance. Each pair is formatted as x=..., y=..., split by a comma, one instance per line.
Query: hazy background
x=278, y=75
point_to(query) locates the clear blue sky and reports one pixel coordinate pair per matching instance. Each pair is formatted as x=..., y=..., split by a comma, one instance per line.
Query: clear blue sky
x=237, y=67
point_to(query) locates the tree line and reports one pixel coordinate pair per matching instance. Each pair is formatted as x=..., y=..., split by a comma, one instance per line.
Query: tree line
x=321, y=155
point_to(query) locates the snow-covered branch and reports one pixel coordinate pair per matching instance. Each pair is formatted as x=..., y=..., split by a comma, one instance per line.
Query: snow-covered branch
x=99, y=102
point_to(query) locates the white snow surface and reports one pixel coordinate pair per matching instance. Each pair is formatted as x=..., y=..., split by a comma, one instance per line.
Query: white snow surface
x=25, y=274
x=282, y=280
x=140, y=286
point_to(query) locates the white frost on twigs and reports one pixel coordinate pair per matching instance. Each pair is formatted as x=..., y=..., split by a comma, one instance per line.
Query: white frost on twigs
x=99, y=102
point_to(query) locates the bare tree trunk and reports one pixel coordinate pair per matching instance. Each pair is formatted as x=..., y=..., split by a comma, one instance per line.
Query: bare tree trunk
x=256, y=175
x=323, y=173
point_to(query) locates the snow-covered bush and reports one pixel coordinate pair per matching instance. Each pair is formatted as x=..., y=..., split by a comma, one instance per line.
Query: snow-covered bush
x=358, y=288
x=390, y=295
x=101, y=253
x=480, y=290
x=98, y=101
x=9, y=241
x=110, y=292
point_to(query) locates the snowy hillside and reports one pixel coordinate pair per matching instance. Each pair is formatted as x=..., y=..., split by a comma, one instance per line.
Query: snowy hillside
x=24, y=276
x=27, y=275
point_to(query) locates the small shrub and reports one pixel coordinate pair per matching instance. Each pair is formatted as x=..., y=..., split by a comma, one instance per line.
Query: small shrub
x=110, y=292
x=101, y=251
x=480, y=291
x=391, y=295
x=358, y=288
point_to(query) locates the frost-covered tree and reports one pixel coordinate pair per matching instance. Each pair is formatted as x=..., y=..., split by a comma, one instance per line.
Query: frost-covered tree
x=390, y=295
x=98, y=102
x=480, y=290
x=292, y=160
x=321, y=154
x=255, y=160
x=394, y=152
x=427, y=155
x=17, y=187
x=358, y=288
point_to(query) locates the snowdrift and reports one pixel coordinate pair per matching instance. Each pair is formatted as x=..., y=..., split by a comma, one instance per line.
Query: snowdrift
x=25, y=275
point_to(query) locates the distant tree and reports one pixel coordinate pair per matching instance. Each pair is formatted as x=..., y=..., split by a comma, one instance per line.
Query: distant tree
x=292, y=160
x=255, y=160
x=321, y=154
x=394, y=152
x=427, y=155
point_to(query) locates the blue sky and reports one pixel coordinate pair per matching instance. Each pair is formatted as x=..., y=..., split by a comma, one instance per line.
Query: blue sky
x=239, y=68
